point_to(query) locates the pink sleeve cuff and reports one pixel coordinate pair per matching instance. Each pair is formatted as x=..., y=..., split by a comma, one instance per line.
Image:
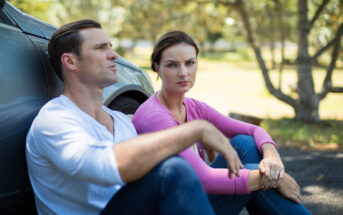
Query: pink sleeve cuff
x=259, y=147
x=242, y=182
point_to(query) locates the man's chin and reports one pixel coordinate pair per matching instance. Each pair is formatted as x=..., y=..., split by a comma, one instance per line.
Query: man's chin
x=111, y=82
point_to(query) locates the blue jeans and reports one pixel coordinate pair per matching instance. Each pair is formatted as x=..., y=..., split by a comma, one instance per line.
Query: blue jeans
x=172, y=187
x=257, y=202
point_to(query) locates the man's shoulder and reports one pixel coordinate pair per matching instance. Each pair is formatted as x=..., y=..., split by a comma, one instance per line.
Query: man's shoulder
x=52, y=113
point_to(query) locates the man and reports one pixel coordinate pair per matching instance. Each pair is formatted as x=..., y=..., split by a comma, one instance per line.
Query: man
x=86, y=159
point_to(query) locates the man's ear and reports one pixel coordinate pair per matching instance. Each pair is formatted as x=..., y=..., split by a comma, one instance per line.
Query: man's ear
x=69, y=61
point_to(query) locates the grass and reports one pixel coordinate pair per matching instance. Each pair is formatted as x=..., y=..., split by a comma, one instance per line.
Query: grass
x=326, y=135
x=238, y=86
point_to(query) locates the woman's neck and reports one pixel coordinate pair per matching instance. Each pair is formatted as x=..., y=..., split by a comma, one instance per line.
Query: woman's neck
x=174, y=103
x=170, y=100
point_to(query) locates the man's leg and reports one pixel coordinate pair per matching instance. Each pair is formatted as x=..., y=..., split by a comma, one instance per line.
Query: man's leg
x=170, y=188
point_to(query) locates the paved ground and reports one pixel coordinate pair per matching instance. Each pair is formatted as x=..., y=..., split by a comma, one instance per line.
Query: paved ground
x=320, y=176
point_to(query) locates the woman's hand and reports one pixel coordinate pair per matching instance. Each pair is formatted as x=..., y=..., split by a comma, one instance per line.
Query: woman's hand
x=289, y=188
x=271, y=167
x=213, y=140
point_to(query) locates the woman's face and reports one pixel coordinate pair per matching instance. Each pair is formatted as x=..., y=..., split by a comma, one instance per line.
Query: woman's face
x=178, y=68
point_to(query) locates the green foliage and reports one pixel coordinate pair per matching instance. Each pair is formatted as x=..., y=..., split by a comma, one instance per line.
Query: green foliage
x=36, y=8
x=290, y=132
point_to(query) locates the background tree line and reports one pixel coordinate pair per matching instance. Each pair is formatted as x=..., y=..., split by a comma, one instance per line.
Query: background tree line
x=315, y=26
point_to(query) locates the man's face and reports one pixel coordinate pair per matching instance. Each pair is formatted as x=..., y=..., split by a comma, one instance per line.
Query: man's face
x=96, y=64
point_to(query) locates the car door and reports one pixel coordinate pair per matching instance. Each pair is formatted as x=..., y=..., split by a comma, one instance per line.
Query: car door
x=23, y=90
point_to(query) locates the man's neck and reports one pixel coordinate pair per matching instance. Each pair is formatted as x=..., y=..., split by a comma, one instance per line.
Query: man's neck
x=88, y=100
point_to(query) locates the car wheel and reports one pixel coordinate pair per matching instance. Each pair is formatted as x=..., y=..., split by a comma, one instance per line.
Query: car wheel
x=125, y=105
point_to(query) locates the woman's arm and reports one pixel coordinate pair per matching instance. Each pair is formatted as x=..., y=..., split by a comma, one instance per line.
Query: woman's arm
x=271, y=166
x=213, y=180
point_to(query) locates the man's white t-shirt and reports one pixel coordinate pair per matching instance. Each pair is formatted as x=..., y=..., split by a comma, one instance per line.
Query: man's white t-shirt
x=71, y=164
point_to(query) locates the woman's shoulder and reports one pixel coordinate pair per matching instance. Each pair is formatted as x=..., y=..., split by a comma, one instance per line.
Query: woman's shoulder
x=150, y=107
x=152, y=116
x=195, y=105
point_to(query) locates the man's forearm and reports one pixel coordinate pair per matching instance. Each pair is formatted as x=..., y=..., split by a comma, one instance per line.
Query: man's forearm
x=137, y=156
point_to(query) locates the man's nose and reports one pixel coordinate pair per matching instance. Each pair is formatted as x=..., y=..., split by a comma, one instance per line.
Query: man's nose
x=112, y=54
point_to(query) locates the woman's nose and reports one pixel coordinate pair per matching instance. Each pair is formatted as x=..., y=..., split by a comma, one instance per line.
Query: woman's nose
x=183, y=71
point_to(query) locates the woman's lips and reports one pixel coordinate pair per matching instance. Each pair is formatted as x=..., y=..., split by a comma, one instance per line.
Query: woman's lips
x=183, y=83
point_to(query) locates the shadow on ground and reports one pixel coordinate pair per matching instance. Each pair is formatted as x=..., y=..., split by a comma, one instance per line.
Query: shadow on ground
x=320, y=176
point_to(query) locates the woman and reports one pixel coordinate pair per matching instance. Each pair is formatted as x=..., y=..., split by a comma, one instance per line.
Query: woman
x=174, y=59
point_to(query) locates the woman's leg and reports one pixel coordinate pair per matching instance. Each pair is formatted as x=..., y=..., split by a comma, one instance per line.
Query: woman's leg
x=245, y=147
x=258, y=202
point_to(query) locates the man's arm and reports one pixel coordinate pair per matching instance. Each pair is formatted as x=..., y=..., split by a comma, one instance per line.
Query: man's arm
x=137, y=156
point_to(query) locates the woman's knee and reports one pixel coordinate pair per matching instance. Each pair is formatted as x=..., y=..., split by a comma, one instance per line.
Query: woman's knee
x=176, y=166
x=246, y=149
x=240, y=139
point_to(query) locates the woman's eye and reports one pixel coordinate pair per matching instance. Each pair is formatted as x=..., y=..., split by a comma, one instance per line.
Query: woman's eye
x=189, y=63
x=171, y=65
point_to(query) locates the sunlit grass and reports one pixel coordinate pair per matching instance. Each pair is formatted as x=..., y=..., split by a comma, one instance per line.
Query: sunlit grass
x=325, y=135
x=238, y=86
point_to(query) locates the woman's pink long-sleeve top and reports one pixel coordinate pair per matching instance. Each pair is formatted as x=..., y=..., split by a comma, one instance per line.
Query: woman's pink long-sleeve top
x=152, y=116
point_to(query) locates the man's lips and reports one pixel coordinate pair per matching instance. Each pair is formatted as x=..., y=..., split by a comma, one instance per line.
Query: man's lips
x=113, y=67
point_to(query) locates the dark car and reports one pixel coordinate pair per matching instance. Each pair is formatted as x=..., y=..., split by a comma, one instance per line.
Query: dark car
x=27, y=82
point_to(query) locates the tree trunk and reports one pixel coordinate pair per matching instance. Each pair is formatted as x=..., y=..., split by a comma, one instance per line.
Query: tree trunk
x=307, y=108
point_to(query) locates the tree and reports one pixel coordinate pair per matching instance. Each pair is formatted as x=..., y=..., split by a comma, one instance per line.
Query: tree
x=35, y=8
x=306, y=105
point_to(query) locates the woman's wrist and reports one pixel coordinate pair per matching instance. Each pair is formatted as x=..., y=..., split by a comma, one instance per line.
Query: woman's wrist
x=254, y=180
x=269, y=150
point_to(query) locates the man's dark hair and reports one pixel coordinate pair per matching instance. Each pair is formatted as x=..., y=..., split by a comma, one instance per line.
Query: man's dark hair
x=167, y=40
x=67, y=39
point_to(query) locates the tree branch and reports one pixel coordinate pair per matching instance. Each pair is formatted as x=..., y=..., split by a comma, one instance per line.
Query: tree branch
x=327, y=84
x=319, y=10
x=328, y=45
x=222, y=2
x=251, y=40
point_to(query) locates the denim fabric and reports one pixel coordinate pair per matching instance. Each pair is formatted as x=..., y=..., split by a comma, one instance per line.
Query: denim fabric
x=269, y=202
x=170, y=188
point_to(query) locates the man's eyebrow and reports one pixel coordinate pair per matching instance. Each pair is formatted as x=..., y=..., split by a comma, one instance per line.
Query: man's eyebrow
x=100, y=45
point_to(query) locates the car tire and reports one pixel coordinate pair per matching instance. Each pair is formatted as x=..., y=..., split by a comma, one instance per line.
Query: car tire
x=125, y=105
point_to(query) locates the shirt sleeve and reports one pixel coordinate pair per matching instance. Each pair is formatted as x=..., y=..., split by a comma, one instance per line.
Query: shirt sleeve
x=232, y=127
x=65, y=144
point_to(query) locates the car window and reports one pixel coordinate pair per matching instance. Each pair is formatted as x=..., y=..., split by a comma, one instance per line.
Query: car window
x=2, y=19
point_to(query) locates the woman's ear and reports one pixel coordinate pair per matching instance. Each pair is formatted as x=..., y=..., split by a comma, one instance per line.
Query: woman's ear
x=68, y=60
x=156, y=67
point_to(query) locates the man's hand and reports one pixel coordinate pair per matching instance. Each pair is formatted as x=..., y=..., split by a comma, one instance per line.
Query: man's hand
x=213, y=140
x=271, y=167
x=289, y=188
